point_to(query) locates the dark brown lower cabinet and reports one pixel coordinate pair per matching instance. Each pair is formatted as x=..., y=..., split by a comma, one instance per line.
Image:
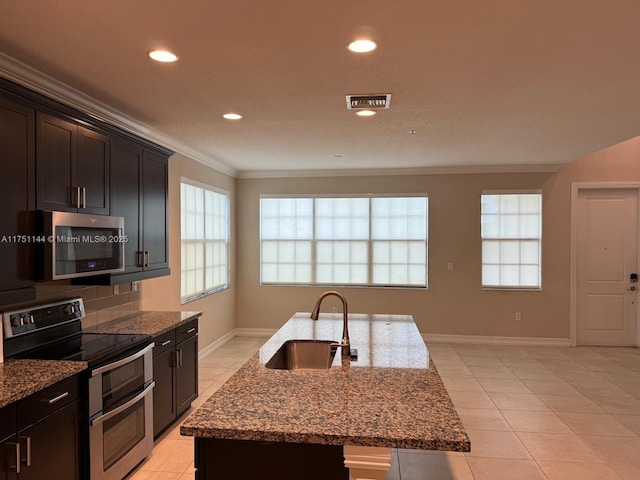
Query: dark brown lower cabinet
x=47, y=436
x=217, y=459
x=175, y=371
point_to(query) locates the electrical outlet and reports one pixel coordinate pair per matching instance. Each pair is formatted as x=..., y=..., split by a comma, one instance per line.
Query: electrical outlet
x=116, y=289
x=450, y=266
x=134, y=286
x=518, y=316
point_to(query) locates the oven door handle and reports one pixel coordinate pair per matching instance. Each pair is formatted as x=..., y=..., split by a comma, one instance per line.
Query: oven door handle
x=123, y=407
x=119, y=363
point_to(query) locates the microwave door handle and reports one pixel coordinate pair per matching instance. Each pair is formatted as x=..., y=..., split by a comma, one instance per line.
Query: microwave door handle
x=84, y=197
x=123, y=407
x=122, y=362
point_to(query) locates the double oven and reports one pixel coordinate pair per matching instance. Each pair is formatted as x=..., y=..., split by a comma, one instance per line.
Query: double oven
x=118, y=386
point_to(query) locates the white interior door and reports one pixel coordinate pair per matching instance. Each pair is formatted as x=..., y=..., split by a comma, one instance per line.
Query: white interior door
x=607, y=255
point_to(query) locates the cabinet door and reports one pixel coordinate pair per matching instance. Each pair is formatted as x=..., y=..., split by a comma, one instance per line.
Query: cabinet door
x=187, y=374
x=17, y=184
x=164, y=410
x=53, y=446
x=8, y=458
x=55, y=155
x=126, y=160
x=91, y=171
x=154, y=211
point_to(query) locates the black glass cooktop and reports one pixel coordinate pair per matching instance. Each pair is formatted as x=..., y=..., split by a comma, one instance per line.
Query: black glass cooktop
x=94, y=348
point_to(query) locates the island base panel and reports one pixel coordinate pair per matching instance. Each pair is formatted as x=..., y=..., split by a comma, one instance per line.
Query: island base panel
x=217, y=459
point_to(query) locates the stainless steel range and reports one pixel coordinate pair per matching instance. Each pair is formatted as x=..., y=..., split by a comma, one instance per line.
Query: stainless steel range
x=118, y=387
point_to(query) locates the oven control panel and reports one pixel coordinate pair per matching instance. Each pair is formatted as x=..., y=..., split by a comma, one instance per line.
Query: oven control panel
x=20, y=322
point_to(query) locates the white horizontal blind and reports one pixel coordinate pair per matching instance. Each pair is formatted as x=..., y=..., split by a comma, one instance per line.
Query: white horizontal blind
x=204, y=240
x=379, y=241
x=511, y=240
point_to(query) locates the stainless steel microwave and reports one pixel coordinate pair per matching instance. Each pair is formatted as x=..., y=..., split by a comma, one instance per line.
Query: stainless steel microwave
x=80, y=245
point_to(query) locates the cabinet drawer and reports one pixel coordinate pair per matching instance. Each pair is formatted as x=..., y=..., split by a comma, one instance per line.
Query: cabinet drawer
x=164, y=342
x=7, y=421
x=48, y=400
x=187, y=330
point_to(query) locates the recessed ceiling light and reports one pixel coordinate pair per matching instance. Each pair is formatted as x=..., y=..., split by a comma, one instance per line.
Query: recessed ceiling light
x=362, y=45
x=232, y=116
x=163, y=56
x=365, y=113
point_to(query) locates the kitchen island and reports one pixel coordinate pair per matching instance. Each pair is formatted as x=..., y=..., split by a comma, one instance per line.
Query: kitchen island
x=345, y=418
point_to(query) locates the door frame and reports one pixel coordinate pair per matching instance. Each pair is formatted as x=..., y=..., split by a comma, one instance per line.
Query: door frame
x=576, y=187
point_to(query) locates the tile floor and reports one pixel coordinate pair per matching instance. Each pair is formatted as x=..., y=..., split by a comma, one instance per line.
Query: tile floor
x=533, y=413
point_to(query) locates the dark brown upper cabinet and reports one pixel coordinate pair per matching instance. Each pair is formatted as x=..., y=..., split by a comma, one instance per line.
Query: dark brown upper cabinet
x=72, y=167
x=17, y=184
x=139, y=193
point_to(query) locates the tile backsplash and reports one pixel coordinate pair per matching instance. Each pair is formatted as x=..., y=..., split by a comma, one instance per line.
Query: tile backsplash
x=102, y=303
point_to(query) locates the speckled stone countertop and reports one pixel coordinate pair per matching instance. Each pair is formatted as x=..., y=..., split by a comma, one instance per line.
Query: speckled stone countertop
x=392, y=396
x=21, y=378
x=147, y=323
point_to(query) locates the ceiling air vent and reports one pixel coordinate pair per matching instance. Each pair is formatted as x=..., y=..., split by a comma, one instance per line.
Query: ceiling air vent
x=368, y=102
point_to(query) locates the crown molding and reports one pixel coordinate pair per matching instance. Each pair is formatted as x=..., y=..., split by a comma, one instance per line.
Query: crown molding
x=399, y=171
x=28, y=77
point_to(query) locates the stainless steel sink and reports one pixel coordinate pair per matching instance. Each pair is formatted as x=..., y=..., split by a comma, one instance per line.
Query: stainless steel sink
x=304, y=355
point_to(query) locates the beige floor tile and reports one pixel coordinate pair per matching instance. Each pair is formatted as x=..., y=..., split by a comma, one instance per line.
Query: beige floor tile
x=600, y=389
x=578, y=471
x=462, y=384
x=170, y=455
x=618, y=405
x=540, y=422
x=632, y=422
x=627, y=471
x=454, y=370
x=483, y=419
x=476, y=361
x=581, y=375
x=615, y=449
x=430, y=467
x=534, y=373
x=473, y=350
x=510, y=385
x=552, y=387
x=555, y=447
x=570, y=403
x=595, y=424
x=504, y=469
x=446, y=358
x=492, y=372
x=521, y=362
x=493, y=444
x=517, y=401
x=147, y=475
x=632, y=388
x=462, y=399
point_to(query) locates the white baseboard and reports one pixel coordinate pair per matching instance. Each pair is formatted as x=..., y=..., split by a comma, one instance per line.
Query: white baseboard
x=255, y=332
x=491, y=340
x=213, y=346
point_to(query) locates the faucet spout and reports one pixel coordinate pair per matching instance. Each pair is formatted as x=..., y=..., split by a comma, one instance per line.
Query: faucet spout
x=345, y=344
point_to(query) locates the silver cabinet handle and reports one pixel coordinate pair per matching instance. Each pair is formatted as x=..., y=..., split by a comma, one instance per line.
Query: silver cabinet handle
x=18, y=456
x=165, y=343
x=28, y=452
x=146, y=258
x=57, y=398
x=191, y=330
x=84, y=197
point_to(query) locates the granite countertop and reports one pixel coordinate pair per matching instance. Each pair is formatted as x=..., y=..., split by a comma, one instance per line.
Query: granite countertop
x=392, y=396
x=21, y=378
x=147, y=323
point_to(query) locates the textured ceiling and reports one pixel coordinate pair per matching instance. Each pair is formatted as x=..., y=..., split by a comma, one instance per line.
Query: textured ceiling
x=492, y=83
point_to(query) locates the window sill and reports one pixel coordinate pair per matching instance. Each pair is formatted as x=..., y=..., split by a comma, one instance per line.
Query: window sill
x=198, y=296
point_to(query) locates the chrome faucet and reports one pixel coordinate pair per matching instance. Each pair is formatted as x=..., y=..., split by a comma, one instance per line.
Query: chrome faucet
x=345, y=344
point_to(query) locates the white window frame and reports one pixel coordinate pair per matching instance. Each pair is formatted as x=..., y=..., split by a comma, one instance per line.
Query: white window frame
x=519, y=239
x=315, y=240
x=219, y=238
